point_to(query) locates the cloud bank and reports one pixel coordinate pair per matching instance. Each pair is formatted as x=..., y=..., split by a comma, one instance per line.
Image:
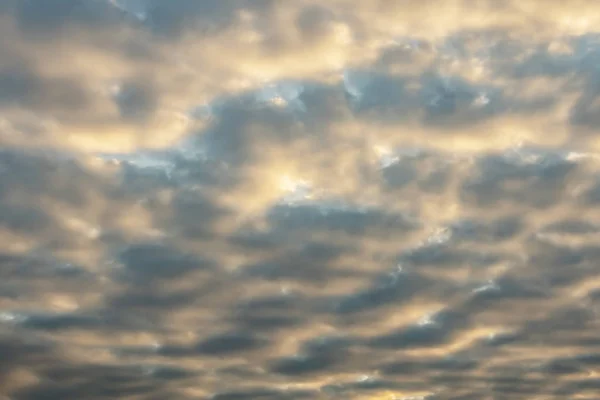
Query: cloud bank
x=289, y=200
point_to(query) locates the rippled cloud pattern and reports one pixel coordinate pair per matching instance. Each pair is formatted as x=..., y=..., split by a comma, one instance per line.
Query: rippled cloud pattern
x=262, y=199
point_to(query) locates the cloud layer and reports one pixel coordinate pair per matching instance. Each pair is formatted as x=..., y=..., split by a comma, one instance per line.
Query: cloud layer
x=282, y=200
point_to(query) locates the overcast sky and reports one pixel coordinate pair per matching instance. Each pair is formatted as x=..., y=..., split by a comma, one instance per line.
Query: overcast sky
x=299, y=199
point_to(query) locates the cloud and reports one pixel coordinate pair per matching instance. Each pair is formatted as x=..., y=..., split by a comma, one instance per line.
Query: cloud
x=262, y=199
x=165, y=47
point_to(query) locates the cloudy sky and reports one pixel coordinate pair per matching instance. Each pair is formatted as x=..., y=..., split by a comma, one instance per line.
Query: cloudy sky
x=299, y=199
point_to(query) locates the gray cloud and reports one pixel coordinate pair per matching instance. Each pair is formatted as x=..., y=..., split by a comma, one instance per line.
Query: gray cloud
x=286, y=200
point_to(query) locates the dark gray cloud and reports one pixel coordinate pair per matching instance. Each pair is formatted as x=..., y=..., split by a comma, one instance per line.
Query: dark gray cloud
x=176, y=17
x=22, y=86
x=46, y=19
x=342, y=219
x=391, y=289
x=429, y=334
x=546, y=181
x=156, y=261
x=136, y=100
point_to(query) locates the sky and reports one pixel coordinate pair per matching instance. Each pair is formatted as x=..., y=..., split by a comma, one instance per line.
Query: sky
x=298, y=199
